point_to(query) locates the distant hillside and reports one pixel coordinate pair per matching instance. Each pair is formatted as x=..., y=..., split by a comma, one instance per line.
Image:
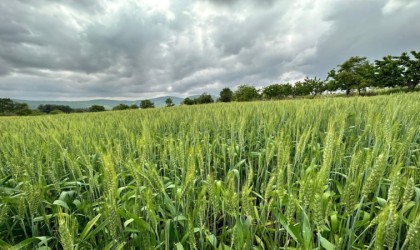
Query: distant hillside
x=108, y=104
x=160, y=101
x=195, y=96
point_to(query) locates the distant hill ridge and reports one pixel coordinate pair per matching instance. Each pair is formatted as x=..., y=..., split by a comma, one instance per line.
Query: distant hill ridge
x=108, y=104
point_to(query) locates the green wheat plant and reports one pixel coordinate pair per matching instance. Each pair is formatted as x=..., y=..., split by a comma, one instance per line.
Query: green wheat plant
x=328, y=173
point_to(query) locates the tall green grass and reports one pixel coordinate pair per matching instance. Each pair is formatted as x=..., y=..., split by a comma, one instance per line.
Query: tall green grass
x=306, y=174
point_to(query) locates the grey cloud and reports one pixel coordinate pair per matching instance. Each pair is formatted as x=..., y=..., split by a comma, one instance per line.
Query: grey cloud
x=90, y=6
x=260, y=3
x=93, y=48
x=4, y=67
x=227, y=2
x=361, y=28
x=43, y=41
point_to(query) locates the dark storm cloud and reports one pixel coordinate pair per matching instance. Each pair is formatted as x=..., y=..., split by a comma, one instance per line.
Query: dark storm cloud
x=370, y=29
x=260, y=3
x=97, y=48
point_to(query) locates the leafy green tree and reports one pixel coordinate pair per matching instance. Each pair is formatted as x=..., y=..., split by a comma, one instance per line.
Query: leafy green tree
x=287, y=90
x=6, y=105
x=226, y=95
x=96, y=108
x=367, y=76
x=411, y=69
x=121, y=107
x=146, y=104
x=22, y=109
x=10, y=107
x=355, y=73
x=188, y=101
x=273, y=91
x=389, y=72
x=331, y=85
x=134, y=106
x=246, y=93
x=316, y=85
x=48, y=108
x=277, y=91
x=56, y=112
x=203, y=99
x=302, y=89
x=169, y=102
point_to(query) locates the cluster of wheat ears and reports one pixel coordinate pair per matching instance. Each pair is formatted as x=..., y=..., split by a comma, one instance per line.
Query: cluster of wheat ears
x=333, y=173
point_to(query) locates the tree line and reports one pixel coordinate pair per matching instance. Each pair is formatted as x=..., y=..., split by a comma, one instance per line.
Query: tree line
x=8, y=107
x=355, y=74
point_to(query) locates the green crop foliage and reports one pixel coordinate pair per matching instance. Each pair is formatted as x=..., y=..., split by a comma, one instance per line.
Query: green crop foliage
x=328, y=173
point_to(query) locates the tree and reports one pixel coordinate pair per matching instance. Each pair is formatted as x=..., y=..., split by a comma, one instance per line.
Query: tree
x=22, y=109
x=169, y=102
x=277, y=91
x=47, y=108
x=410, y=69
x=287, y=90
x=355, y=73
x=316, y=85
x=188, y=101
x=367, y=76
x=302, y=88
x=145, y=104
x=389, y=72
x=246, y=93
x=6, y=105
x=273, y=91
x=134, y=106
x=56, y=112
x=121, y=107
x=96, y=108
x=331, y=85
x=226, y=95
x=10, y=107
x=203, y=99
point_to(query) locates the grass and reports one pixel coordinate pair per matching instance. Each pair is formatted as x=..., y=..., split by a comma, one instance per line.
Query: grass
x=330, y=173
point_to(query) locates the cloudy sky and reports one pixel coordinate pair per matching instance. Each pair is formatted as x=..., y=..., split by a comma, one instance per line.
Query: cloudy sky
x=133, y=49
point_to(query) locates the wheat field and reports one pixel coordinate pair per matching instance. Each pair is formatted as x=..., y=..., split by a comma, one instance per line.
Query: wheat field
x=328, y=173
